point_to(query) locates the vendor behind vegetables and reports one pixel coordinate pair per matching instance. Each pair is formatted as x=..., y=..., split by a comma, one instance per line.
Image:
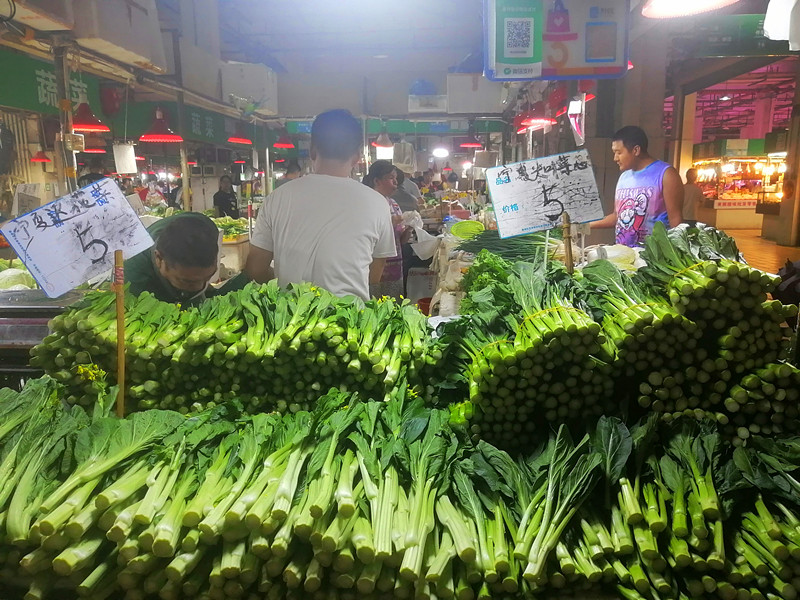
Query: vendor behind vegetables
x=181, y=264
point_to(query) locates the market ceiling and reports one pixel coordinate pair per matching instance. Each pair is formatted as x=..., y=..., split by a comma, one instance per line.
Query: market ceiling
x=354, y=35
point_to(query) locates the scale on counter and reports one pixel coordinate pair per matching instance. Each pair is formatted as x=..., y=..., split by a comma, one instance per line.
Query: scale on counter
x=23, y=324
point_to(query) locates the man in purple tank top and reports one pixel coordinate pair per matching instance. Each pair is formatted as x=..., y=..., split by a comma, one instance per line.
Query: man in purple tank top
x=648, y=190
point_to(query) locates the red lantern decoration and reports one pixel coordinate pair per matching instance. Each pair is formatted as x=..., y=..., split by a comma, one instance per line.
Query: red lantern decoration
x=110, y=99
x=557, y=97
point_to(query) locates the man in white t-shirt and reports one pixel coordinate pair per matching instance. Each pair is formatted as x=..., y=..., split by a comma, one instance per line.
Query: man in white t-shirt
x=325, y=228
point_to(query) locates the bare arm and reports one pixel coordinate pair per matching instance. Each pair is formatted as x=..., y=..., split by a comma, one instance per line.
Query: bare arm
x=258, y=265
x=606, y=222
x=673, y=196
x=375, y=270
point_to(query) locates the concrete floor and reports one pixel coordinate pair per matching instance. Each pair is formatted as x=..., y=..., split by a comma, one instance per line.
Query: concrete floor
x=763, y=254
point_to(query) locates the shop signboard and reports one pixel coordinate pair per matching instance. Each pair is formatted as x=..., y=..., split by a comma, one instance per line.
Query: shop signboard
x=72, y=239
x=555, y=39
x=534, y=195
x=746, y=204
x=204, y=126
x=30, y=84
x=733, y=35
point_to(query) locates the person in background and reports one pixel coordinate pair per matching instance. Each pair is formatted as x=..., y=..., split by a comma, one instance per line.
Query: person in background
x=692, y=196
x=127, y=186
x=428, y=183
x=95, y=173
x=225, y=202
x=293, y=171
x=648, y=190
x=405, y=199
x=175, y=197
x=325, y=228
x=382, y=177
x=451, y=181
x=179, y=267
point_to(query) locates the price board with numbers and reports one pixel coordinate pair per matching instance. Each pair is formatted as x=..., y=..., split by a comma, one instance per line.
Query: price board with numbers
x=71, y=240
x=534, y=195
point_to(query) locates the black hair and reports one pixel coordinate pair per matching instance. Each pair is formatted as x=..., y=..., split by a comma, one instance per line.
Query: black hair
x=401, y=177
x=378, y=169
x=228, y=177
x=631, y=136
x=452, y=178
x=190, y=240
x=337, y=135
x=126, y=179
x=293, y=167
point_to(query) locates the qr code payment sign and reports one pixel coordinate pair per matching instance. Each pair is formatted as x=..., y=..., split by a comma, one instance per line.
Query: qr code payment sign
x=518, y=35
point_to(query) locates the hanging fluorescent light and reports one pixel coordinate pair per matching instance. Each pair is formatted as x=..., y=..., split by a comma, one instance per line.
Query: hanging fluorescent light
x=160, y=132
x=667, y=9
x=85, y=121
x=284, y=143
x=725, y=98
x=140, y=158
x=440, y=152
x=239, y=136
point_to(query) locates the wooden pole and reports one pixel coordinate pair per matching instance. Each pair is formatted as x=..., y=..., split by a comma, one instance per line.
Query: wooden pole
x=119, y=289
x=568, y=244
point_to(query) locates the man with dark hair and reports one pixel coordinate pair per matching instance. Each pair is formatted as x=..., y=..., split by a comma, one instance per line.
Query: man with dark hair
x=182, y=262
x=648, y=190
x=94, y=173
x=225, y=202
x=293, y=171
x=325, y=228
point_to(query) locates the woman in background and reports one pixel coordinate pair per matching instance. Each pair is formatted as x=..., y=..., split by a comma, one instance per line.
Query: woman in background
x=382, y=177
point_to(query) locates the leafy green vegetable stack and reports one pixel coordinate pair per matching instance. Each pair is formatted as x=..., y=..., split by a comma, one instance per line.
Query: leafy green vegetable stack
x=384, y=500
x=272, y=348
x=704, y=276
x=529, y=355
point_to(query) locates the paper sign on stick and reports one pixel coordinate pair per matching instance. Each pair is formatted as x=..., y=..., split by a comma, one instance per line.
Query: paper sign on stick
x=70, y=240
x=533, y=195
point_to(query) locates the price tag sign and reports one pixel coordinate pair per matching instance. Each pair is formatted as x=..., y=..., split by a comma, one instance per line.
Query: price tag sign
x=70, y=240
x=533, y=195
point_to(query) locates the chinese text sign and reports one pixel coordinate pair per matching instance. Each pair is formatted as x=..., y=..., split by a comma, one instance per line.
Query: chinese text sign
x=70, y=240
x=533, y=195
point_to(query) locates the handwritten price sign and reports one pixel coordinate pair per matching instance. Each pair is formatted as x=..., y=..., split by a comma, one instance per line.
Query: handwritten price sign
x=70, y=240
x=533, y=195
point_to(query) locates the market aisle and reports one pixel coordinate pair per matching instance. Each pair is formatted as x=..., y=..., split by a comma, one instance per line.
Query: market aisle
x=760, y=253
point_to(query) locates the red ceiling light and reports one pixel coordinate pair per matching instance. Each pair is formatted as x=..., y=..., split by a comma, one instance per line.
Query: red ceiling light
x=40, y=157
x=191, y=163
x=140, y=158
x=239, y=136
x=94, y=145
x=84, y=120
x=160, y=132
x=280, y=160
x=534, y=121
x=238, y=160
x=561, y=112
x=284, y=143
x=471, y=142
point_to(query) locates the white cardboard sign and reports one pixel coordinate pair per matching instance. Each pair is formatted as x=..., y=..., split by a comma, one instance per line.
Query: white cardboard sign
x=533, y=195
x=71, y=240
